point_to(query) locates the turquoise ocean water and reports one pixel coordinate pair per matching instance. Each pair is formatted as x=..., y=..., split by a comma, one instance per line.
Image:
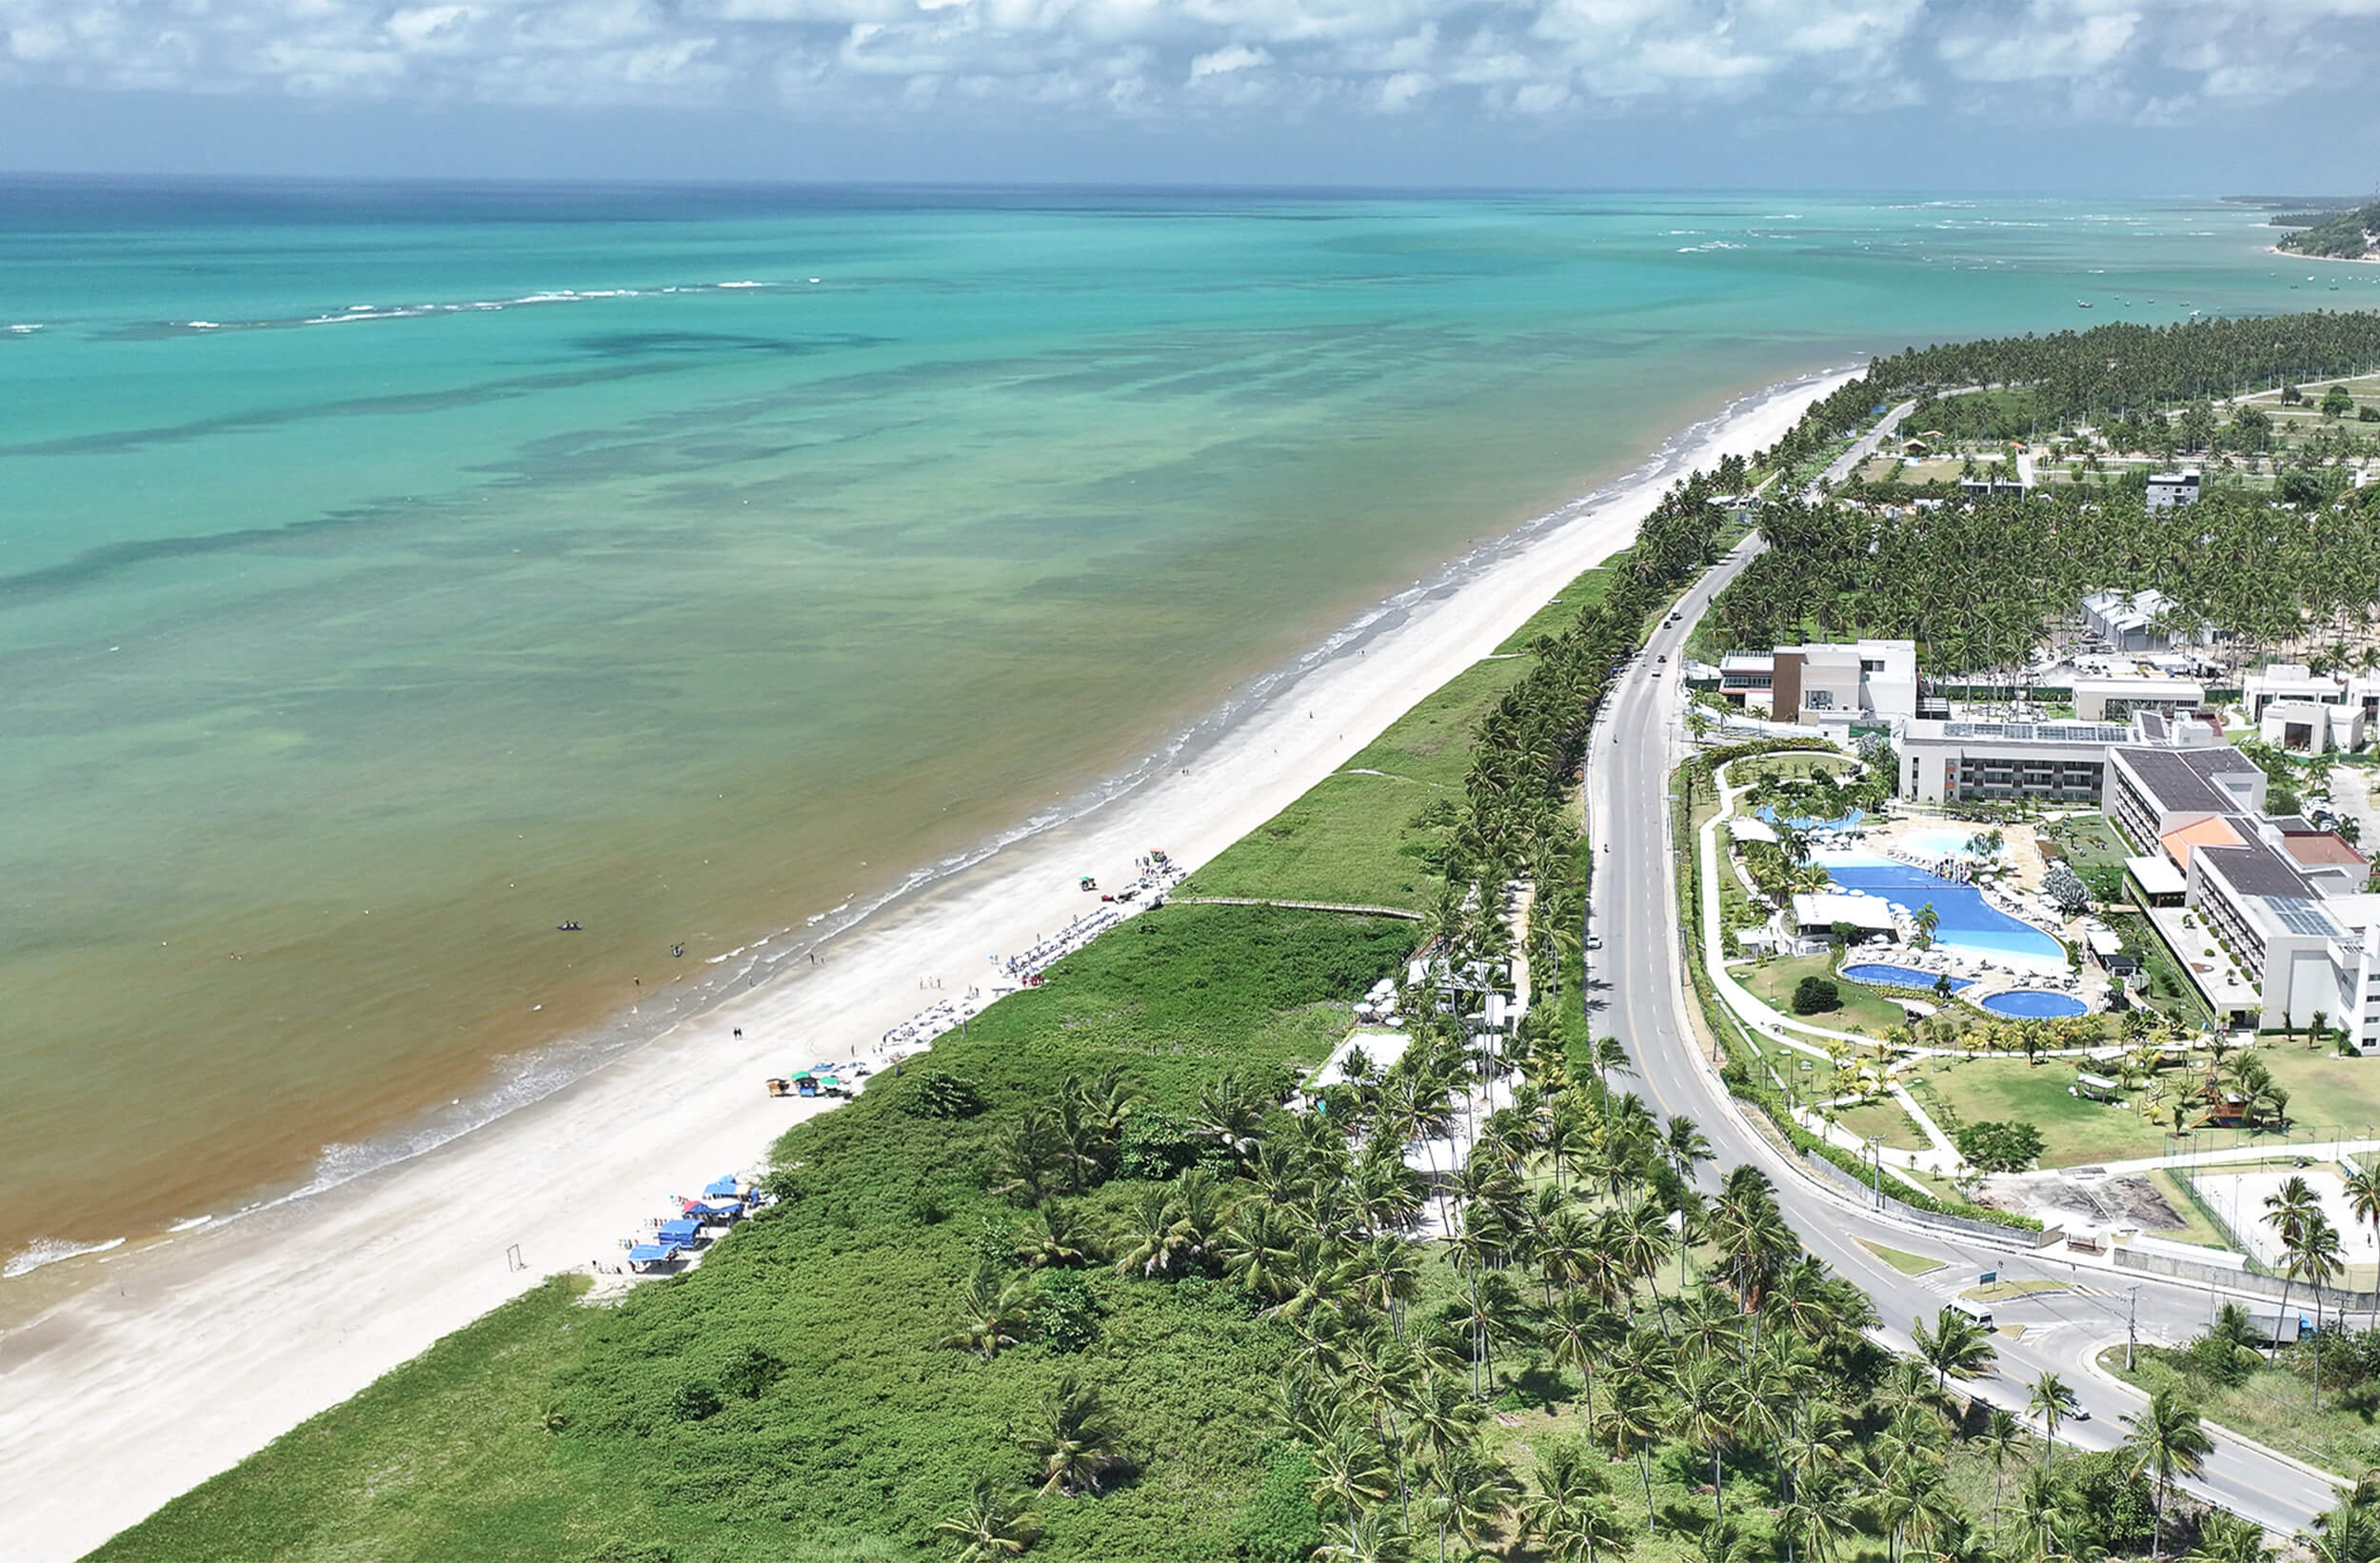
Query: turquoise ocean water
x=389, y=573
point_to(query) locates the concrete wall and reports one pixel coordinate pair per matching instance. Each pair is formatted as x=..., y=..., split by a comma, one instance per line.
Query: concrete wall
x=2241, y=1280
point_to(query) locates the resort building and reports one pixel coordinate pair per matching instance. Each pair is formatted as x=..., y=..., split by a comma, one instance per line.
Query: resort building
x=2142, y=620
x=1821, y=916
x=2112, y=700
x=2290, y=682
x=2311, y=727
x=2283, y=898
x=2172, y=490
x=1954, y=761
x=2308, y=941
x=2154, y=790
x=1818, y=685
x=1946, y=762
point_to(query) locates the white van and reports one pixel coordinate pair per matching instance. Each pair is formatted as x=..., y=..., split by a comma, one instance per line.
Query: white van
x=1979, y=1312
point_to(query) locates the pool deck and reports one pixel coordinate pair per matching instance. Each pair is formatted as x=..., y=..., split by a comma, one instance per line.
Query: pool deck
x=1988, y=977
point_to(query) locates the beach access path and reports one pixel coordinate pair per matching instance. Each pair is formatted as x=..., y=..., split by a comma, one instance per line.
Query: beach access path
x=177, y=1363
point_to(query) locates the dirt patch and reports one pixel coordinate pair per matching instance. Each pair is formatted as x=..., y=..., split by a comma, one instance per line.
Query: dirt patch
x=2127, y=1200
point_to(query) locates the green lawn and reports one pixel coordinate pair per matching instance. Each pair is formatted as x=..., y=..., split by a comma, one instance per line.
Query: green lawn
x=1901, y=1259
x=2274, y=1407
x=1883, y=1119
x=1357, y=837
x=2326, y=1092
x=2089, y=840
x=1862, y=1009
x=2195, y=1228
x=1961, y=1091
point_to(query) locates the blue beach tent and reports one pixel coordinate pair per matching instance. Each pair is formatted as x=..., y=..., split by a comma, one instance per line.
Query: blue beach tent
x=679, y=1231
x=720, y=1188
x=652, y=1253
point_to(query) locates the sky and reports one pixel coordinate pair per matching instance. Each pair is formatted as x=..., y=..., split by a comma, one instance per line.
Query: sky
x=2200, y=96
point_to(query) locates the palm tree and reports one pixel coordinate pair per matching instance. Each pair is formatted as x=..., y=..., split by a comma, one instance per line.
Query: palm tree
x=2363, y=1203
x=2054, y=1403
x=2226, y=1538
x=1469, y=1493
x=1686, y=1146
x=1577, y=1331
x=1055, y=1237
x=2002, y=1436
x=1815, y=1518
x=988, y=1528
x=2314, y=1259
x=1955, y=1347
x=2167, y=1441
x=1635, y=1416
x=1708, y=1404
x=1595, y=1529
x=994, y=1314
x=2287, y=1209
x=1368, y=1538
x=2046, y=1520
x=1074, y=1439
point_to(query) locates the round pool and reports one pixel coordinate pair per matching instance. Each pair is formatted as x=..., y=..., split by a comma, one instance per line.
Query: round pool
x=2034, y=1004
x=1884, y=974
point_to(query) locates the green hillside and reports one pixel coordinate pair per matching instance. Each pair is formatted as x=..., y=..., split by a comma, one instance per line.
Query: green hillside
x=2346, y=236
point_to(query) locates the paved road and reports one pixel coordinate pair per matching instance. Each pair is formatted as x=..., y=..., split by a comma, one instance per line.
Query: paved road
x=1635, y=984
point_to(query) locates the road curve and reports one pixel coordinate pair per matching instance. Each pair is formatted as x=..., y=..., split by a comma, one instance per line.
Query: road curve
x=1635, y=992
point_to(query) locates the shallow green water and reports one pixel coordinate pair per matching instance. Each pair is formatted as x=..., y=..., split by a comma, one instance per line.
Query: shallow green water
x=344, y=658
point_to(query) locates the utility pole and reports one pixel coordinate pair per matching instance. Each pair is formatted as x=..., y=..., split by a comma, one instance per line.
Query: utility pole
x=1876, y=1150
x=2131, y=1325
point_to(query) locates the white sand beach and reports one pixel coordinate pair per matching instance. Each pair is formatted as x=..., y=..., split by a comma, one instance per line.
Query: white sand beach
x=178, y=1362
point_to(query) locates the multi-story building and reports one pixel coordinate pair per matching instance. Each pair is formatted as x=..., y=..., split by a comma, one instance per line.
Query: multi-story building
x=2112, y=700
x=2153, y=789
x=1948, y=761
x=2172, y=490
x=1823, y=685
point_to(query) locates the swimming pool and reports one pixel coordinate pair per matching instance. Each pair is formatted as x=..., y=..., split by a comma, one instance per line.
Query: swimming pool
x=1938, y=841
x=1962, y=917
x=1823, y=827
x=1885, y=975
x=2034, y=1004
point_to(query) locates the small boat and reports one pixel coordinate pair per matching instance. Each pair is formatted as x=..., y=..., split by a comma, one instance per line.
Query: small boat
x=2082, y=304
x=570, y=927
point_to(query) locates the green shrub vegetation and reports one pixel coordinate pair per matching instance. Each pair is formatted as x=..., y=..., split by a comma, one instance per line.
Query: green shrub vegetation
x=2000, y=1147
x=1816, y=994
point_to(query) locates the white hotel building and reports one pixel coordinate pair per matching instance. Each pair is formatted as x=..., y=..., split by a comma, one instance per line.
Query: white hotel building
x=2286, y=899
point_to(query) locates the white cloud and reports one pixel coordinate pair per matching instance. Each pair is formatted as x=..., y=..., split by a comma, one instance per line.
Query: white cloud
x=2155, y=60
x=1224, y=61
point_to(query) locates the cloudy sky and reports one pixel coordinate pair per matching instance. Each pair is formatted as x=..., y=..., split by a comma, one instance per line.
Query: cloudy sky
x=2202, y=95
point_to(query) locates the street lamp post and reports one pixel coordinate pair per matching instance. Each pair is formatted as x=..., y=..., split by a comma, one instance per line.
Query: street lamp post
x=1876, y=1150
x=2131, y=1325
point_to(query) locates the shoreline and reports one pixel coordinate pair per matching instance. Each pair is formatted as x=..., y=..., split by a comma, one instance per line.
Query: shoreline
x=2343, y=260
x=174, y=1361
